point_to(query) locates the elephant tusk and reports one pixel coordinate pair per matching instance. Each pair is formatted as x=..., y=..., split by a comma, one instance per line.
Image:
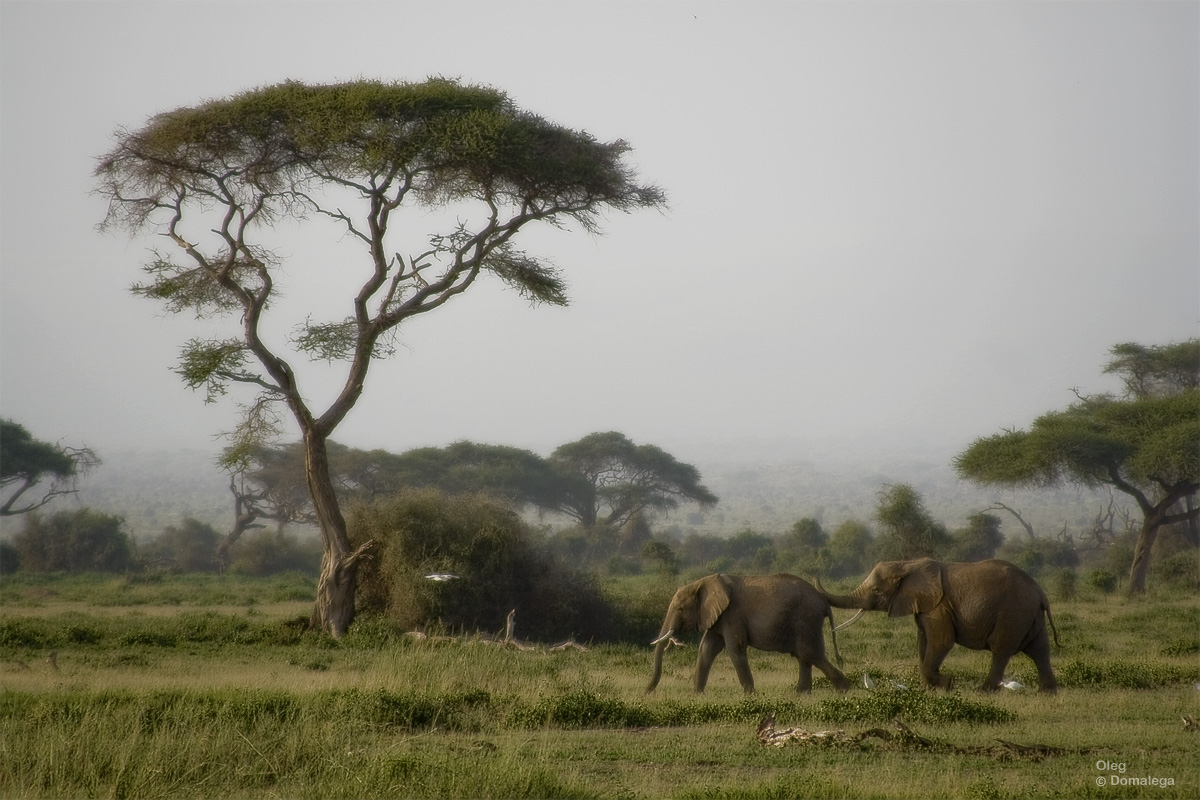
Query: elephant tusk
x=851, y=621
x=666, y=635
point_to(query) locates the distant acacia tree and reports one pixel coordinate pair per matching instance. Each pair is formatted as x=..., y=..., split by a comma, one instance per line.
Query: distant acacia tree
x=186, y=548
x=979, y=540
x=1145, y=444
x=850, y=549
x=26, y=462
x=906, y=528
x=218, y=179
x=608, y=480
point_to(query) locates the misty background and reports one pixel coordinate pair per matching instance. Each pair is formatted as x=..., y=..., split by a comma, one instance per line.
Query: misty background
x=893, y=228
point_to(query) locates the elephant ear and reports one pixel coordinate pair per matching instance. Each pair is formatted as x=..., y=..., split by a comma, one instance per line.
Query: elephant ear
x=714, y=599
x=920, y=589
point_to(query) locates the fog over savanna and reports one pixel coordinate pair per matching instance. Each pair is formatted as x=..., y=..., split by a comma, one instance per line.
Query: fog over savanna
x=892, y=227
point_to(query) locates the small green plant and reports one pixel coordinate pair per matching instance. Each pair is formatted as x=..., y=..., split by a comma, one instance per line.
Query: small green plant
x=1065, y=584
x=1111, y=674
x=1103, y=580
x=984, y=789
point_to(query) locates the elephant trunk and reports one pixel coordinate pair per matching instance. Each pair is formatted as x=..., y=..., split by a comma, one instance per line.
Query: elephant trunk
x=852, y=600
x=659, y=648
x=669, y=626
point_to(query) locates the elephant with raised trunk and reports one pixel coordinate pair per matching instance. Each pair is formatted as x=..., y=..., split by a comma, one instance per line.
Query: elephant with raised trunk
x=983, y=605
x=778, y=613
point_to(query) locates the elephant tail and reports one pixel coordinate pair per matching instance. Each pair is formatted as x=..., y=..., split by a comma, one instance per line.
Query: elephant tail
x=1050, y=619
x=833, y=635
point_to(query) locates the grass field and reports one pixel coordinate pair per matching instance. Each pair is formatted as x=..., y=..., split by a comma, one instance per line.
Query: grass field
x=205, y=687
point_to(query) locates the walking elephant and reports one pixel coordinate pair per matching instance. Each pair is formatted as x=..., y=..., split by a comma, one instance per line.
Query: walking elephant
x=778, y=613
x=983, y=605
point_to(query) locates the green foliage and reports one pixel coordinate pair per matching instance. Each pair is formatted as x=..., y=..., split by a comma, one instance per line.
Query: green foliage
x=1156, y=370
x=913, y=706
x=26, y=462
x=1146, y=445
x=212, y=364
x=234, y=703
x=25, y=458
x=1065, y=582
x=1124, y=674
x=978, y=541
x=10, y=559
x=608, y=480
x=907, y=530
x=1041, y=556
x=487, y=546
x=74, y=541
x=1181, y=569
x=191, y=547
x=266, y=552
x=850, y=549
x=1103, y=581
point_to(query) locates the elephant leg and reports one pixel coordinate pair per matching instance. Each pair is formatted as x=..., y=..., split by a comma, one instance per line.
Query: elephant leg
x=711, y=645
x=741, y=665
x=1039, y=651
x=835, y=675
x=1000, y=661
x=935, y=639
x=805, y=683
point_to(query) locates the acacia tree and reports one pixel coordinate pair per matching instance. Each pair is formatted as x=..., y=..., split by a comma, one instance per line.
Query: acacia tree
x=907, y=529
x=607, y=480
x=26, y=462
x=218, y=178
x=1146, y=445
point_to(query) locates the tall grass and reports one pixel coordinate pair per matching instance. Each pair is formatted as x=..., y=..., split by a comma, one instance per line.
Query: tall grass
x=196, y=700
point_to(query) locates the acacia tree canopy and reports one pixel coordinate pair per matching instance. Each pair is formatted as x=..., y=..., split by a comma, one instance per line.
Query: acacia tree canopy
x=25, y=462
x=608, y=480
x=1146, y=444
x=218, y=178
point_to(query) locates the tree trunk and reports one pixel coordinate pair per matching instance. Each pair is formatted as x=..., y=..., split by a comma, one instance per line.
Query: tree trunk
x=334, y=609
x=1141, y=555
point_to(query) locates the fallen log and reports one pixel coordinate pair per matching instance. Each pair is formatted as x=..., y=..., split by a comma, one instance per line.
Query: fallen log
x=903, y=738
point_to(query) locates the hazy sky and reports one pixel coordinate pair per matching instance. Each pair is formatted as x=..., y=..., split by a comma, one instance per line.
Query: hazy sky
x=909, y=223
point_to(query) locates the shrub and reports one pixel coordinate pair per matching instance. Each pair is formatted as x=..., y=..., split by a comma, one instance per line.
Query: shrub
x=1103, y=581
x=10, y=559
x=485, y=544
x=1123, y=674
x=1064, y=584
x=1180, y=569
x=273, y=552
x=74, y=541
x=192, y=547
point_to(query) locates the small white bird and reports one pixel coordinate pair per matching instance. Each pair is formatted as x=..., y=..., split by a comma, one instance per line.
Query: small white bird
x=441, y=576
x=1012, y=683
x=867, y=682
x=899, y=686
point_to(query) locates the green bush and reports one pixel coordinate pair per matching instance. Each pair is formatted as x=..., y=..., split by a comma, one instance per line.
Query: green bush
x=1103, y=581
x=1180, y=569
x=74, y=541
x=485, y=544
x=1123, y=674
x=1064, y=584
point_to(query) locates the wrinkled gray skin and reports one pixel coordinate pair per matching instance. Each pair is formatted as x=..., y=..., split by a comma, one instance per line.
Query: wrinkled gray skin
x=778, y=613
x=983, y=605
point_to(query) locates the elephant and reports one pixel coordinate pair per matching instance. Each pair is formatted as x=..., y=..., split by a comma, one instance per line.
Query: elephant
x=982, y=605
x=778, y=613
